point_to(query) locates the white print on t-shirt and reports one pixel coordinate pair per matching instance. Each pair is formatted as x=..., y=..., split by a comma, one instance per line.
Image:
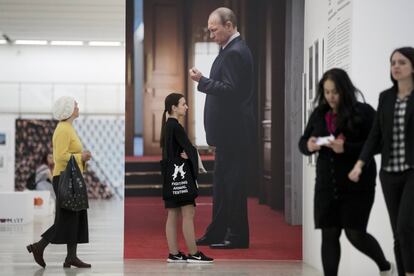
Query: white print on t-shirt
x=178, y=169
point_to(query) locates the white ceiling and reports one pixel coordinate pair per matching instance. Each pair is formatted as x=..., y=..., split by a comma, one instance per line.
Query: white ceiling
x=85, y=20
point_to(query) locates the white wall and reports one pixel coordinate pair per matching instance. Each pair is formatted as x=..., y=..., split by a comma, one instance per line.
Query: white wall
x=7, y=127
x=378, y=27
x=32, y=77
x=77, y=64
x=316, y=18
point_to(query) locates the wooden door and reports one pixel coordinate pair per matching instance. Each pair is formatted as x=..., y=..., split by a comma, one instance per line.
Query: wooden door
x=271, y=76
x=163, y=64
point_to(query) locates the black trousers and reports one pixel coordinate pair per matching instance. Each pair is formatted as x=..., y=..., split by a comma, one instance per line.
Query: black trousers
x=229, y=220
x=398, y=191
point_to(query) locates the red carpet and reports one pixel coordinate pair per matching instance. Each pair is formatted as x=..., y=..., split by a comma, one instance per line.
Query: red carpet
x=270, y=237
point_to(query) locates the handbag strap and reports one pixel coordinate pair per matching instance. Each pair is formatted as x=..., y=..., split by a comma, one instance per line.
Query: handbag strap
x=167, y=150
x=72, y=160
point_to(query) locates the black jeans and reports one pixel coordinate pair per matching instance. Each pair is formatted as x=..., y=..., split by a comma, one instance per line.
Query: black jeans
x=398, y=191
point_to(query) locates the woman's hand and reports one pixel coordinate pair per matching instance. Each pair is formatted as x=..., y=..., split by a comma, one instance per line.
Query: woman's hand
x=356, y=171
x=86, y=155
x=336, y=145
x=312, y=146
x=184, y=155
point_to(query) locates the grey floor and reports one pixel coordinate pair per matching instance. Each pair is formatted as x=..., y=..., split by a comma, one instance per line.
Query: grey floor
x=105, y=252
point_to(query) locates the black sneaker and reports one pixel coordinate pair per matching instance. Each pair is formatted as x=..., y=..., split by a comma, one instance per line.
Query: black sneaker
x=177, y=258
x=199, y=257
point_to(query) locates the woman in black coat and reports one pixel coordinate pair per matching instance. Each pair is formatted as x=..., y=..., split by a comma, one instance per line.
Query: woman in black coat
x=175, y=143
x=393, y=136
x=338, y=202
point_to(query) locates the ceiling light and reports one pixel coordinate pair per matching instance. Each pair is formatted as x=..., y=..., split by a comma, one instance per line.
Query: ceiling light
x=66, y=43
x=2, y=41
x=30, y=42
x=105, y=43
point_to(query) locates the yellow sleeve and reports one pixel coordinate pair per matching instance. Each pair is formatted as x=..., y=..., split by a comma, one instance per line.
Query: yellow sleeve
x=78, y=158
x=62, y=142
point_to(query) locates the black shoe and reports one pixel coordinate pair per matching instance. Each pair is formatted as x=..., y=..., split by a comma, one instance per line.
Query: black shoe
x=228, y=245
x=177, y=258
x=204, y=241
x=37, y=254
x=199, y=257
x=76, y=262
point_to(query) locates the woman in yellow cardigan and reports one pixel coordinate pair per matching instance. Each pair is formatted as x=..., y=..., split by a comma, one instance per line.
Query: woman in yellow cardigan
x=70, y=227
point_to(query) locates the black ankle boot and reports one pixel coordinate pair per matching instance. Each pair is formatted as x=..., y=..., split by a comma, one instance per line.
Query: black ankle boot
x=76, y=262
x=37, y=252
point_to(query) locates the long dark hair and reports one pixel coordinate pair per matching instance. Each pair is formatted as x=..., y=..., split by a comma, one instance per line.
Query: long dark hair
x=170, y=100
x=44, y=159
x=347, y=96
x=408, y=52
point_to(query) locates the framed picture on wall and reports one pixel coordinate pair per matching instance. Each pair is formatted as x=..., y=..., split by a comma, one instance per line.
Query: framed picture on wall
x=323, y=55
x=311, y=158
x=317, y=62
x=2, y=162
x=310, y=73
x=305, y=100
x=308, y=112
x=2, y=139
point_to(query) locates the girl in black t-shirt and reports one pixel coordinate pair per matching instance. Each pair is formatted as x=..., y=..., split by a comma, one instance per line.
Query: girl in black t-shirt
x=174, y=143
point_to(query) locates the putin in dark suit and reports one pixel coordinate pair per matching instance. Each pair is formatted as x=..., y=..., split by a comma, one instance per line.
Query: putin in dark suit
x=229, y=125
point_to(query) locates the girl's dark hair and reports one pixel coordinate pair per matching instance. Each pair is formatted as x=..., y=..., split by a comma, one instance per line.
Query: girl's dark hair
x=44, y=159
x=408, y=52
x=170, y=100
x=347, y=96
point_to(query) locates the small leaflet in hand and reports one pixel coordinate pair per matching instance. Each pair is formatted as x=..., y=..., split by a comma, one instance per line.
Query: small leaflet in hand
x=325, y=140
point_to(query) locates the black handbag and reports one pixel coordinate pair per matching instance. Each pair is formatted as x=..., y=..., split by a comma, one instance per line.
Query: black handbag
x=178, y=180
x=72, y=194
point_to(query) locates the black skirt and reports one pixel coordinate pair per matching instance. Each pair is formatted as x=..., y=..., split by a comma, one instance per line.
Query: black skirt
x=173, y=204
x=69, y=227
x=345, y=210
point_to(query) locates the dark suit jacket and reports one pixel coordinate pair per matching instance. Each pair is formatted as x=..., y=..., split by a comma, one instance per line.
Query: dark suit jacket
x=229, y=109
x=380, y=137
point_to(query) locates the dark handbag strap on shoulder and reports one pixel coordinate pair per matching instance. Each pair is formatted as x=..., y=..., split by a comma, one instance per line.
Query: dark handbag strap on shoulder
x=167, y=150
x=75, y=169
